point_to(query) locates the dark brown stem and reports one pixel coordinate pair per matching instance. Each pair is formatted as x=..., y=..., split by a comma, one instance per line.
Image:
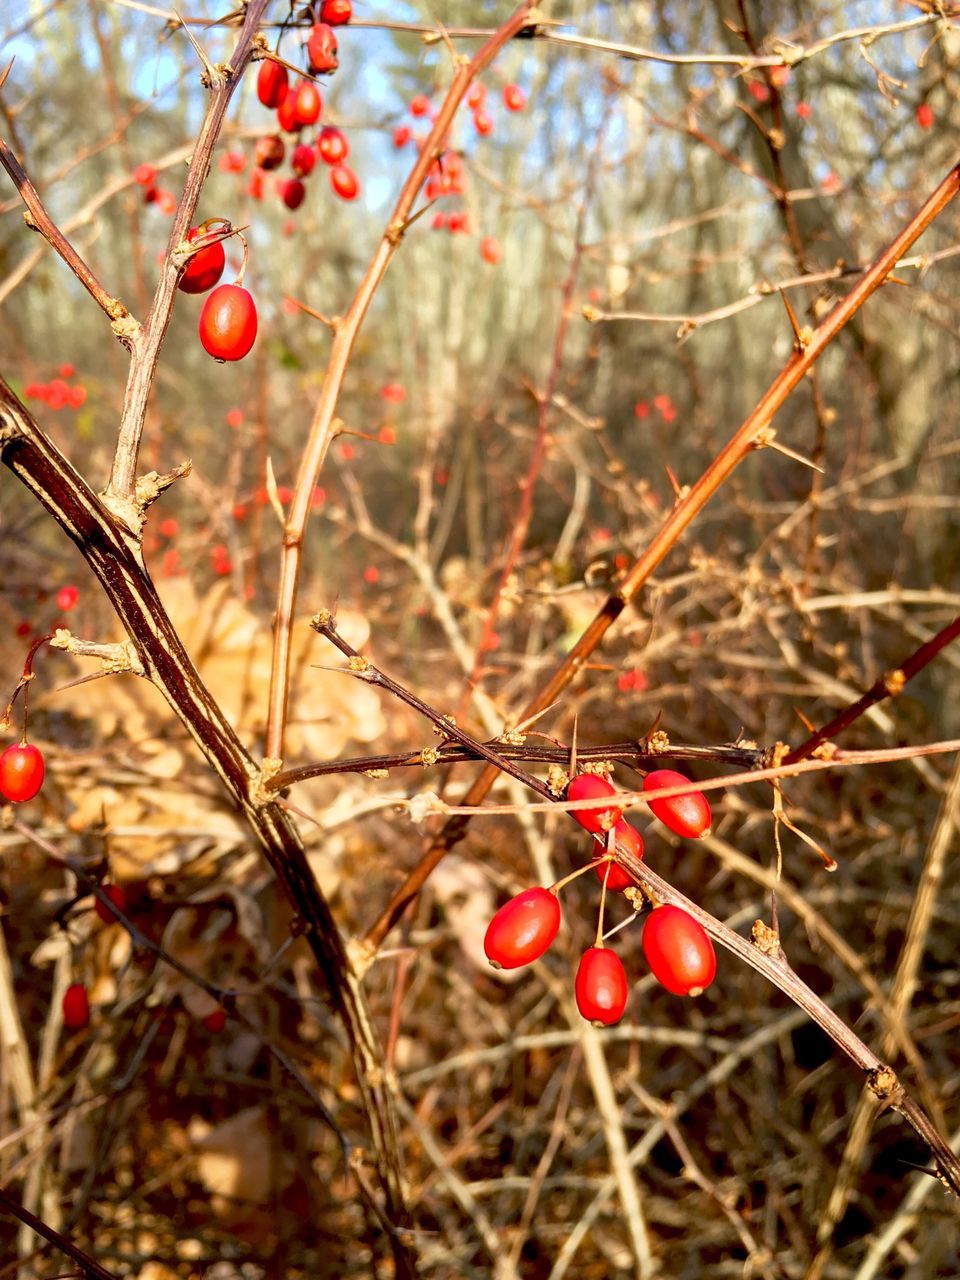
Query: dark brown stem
x=112, y=552
x=635, y=754
x=90, y=1269
x=888, y=686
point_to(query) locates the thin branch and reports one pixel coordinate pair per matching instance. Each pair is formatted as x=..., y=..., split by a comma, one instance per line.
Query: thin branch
x=322, y=428
x=889, y=685
x=145, y=356
x=37, y=218
x=90, y=1269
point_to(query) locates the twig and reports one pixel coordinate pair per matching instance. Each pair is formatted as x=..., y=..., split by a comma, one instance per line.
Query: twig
x=37, y=218
x=889, y=685
x=322, y=426
x=89, y=1267
x=145, y=354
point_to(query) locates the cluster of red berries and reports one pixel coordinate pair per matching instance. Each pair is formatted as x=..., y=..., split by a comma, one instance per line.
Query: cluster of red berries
x=662, y=402
x=145, y=175
x=58, y=393
x=514, y=99
x=298, y=107
x=676, y=946
x=21, y=772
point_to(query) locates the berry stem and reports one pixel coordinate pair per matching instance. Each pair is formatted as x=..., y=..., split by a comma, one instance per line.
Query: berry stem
x=587, y=866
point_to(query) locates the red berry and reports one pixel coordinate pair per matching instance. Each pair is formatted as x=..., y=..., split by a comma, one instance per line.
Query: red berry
x=482, y=122
x=303, y=160
x=292, y=192
x=344, y=182
x=167, y=203
x=117, y=896
x=513, y=97
x=215, y=1021
x=76, y=1007
x=145, y=175
x=21, y=772
x=679, y=951
x=332, y=145
x=477, y=95
x=584, y=786
x=491, y=250
x=66, y=598
x=684, y=815
x=420, y=105
x=307, y=102
x=272, y=83
x=522, y=929
x=393, y=392
x=205, y=267
x=232, y=162
x=322, y=48
x=228, y=322
x=169, y=527
x=925, y=115
x=402, y=135
x=601, y=986
x=439, y=221
x=629, y=840
x=269, y=152
x=336, y=12
x=287, y=117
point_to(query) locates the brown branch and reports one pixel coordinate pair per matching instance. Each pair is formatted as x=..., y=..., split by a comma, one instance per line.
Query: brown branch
x=636, y=754
x=37, y=218
x=90, y=1269
x=679, y=519
x=324, y=426
x=113, y=554
x=888, y=686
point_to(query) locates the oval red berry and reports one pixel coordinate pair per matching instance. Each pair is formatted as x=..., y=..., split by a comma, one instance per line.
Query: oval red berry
x=21, y=772
x=228, y=322
x=344, y=182
x=204, y=268
x=687, y=815
x=322, y=48
x=522, y=929
x=272, y=82
x=679, y=951
x=308, y=103
x=601, y=986
x=332, y=146
x=586, y=786
x=76, y=1007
